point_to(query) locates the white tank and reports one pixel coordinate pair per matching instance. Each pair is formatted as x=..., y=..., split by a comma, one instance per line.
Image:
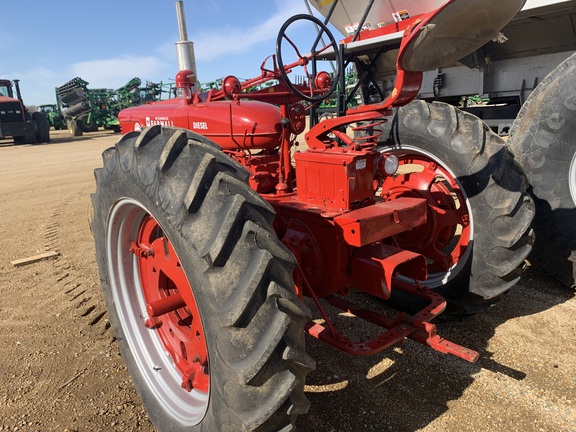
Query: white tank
x=348, y=13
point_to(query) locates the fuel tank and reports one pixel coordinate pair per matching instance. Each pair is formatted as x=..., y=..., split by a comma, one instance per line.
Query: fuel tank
x=232, y=125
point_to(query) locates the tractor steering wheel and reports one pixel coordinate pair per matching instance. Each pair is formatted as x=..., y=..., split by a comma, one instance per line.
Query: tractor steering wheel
x=317, y=85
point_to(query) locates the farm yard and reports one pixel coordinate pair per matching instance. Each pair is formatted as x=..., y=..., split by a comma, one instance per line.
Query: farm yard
x=61, y=368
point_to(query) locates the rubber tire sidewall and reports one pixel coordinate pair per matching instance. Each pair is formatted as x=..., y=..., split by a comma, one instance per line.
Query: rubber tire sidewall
x=126, y=187
x=42, y=127
x=85, y=125
x=489, y=176
x=117, y=184
x=543, y=140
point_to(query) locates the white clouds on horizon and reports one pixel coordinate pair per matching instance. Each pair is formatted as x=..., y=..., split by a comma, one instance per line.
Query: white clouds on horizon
x=217, y=44
x=38, y=85
x=115, y=72
x=224, y=41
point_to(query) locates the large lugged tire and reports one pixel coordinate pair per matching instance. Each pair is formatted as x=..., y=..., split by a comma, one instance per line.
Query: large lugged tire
x=478, y=232
x=543, y=139
x=42, y=127
x=86, y=123
x=199, y=288
x=74, y=128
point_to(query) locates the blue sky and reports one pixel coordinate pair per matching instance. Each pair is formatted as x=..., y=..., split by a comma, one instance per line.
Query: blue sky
x=45, y=43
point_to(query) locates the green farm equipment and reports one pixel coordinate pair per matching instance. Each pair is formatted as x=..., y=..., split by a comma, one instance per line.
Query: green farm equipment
x=133, y=94
x=86, y=109
x=54, y=115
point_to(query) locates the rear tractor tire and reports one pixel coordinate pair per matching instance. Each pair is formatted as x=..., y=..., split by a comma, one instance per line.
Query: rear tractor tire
x=478, y=232
x=42, y=127
x=199, y=288
x=543, y=139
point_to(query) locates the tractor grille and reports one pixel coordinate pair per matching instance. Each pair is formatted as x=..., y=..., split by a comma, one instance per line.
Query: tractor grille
x=11, y=112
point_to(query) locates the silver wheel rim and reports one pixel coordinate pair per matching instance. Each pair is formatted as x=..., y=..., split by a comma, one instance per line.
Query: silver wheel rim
x=572, y=179
x=154, y=364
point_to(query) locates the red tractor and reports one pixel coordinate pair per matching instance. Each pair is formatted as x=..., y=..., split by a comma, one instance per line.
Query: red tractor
x=211, y=227
x=17, y=121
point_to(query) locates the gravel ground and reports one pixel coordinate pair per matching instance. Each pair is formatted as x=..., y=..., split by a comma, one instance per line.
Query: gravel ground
x=61, y=369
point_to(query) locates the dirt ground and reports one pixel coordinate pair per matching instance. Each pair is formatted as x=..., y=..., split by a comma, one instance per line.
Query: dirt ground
x=60, y=369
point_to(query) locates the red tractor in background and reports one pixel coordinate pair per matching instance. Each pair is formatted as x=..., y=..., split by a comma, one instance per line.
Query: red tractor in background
x=16, y=121
x=210, y=227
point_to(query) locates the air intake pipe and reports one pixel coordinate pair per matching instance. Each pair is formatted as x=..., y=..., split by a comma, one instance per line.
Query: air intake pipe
x=185, y=48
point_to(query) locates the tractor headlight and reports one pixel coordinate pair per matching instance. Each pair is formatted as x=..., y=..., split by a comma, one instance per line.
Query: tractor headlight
x=388, y=164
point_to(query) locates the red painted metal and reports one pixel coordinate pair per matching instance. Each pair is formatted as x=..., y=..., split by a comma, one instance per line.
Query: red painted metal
x=263, y=170
x=164, y=305
x=416, y=327
x=339, y=178
x=233, y=126
x=328, y=214
x=170, y=303
x=384, y=30
x=374, y=266
x=448, y=214
x=331, y=263
x=373, y=223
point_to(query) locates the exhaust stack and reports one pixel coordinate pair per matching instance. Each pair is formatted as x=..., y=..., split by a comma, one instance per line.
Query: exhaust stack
x=184, y=48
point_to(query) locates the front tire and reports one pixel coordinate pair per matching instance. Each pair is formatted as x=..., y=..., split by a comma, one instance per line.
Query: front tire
x=176, y=224
x=477, y=200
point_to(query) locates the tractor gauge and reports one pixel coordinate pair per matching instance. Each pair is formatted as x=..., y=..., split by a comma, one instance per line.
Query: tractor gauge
x=297, y=116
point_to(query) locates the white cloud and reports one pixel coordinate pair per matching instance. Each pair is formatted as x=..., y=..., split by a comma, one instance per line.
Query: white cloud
x=37, y=85
x=115, y=72
x=223, y=41
x=161, y=64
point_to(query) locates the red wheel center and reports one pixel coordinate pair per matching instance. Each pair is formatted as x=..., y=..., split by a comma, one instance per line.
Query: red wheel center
x=172, y=310
x=444, y=239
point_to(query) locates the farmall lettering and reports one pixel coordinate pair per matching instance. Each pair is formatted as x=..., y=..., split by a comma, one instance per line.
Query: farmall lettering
x=162, y=121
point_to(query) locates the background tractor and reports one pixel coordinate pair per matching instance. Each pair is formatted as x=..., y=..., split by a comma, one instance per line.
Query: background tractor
x=219, y=216
x=17, y=121
x=54, y=116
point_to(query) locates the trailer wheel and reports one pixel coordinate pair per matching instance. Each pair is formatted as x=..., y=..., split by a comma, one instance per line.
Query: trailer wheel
x=478, y=232
x=74, y=129
x=543, y=139
x=199, y=288
x=87, y=124
x=42, y=127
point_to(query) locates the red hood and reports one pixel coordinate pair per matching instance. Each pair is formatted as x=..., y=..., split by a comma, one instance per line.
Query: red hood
x=7, y=99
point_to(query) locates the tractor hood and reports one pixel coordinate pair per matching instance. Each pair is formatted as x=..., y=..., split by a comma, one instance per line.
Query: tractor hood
x=8, y=99
x=233, y=126
x=11, y=110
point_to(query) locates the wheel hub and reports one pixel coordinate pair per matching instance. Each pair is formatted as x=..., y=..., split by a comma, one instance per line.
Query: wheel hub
x=136, y=246
x=445, y=238
x=176, y=321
